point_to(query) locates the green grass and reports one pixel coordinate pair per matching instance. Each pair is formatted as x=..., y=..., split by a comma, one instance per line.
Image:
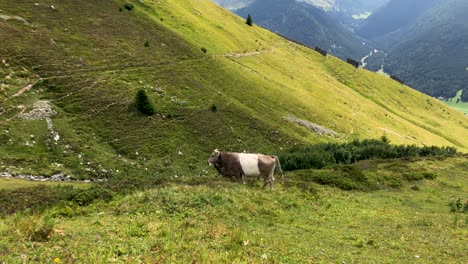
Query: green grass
x=90, y=59
x=164, y=205
x=456, y=103
x=217, y=221
x=90, y=71
x=11, y=183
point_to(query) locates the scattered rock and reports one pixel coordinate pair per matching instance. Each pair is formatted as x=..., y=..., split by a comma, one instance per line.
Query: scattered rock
x=41, y=110
x=59, y=177
x=312, y=126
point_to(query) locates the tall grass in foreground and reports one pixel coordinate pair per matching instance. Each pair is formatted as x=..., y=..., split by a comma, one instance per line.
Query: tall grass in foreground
x=321, y=155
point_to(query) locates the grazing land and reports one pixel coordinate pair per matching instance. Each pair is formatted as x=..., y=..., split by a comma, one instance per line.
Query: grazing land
x=70, y=72
x=215, y=220
x=457, y=103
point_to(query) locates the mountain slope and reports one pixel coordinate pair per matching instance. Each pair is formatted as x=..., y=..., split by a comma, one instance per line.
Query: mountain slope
x=353, y=12
x=88, y=60
x=394, y=15
x=428, y=52
x=347, y=12
x=307, y=24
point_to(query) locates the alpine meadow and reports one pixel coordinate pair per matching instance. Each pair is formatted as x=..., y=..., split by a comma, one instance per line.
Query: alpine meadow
x=112, y=108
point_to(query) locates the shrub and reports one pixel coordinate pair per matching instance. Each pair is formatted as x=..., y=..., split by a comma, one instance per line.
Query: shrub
x=36, y=199
x=204, y=49
x=413, y=176
x=320, y=155
x=429, y=175
x=143, y=103
x=396, y=78
x=355, y=63
x=249, y=20
x=213, y=108
x=128, y=6
x=34, y=228
x=345, y=177
x=310, y=158
x=457, y=205
x=146, y=43
x=321, y=51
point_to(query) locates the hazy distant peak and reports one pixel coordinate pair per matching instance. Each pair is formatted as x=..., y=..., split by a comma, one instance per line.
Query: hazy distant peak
x=325, y=4
x=234, y=4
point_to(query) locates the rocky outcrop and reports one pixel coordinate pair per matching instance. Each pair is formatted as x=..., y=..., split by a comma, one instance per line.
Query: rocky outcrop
x=41, y=110
x=312, y=126
x=59, y=177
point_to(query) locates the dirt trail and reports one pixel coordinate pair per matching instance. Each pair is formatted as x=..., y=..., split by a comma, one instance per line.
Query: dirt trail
x=247, y=54
x=253, y=53
x=22, y=90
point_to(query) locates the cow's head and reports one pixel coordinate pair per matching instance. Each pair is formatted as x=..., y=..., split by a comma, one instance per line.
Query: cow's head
x=214, y=157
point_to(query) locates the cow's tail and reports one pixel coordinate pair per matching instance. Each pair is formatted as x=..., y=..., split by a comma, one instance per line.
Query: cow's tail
x=277, y=162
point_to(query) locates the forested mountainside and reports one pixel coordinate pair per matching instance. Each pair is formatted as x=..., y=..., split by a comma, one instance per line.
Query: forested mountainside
x=353, y=13
x=428, y=52
x=393, y=16
x=306, y=24
x=419, y=42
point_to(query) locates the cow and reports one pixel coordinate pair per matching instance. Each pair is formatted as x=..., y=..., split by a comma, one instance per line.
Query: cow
x=238, y=165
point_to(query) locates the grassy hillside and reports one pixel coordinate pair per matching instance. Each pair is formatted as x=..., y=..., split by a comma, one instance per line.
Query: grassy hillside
x=215, y=221
x=457, y=103
x=88, y=60
x=70, y=72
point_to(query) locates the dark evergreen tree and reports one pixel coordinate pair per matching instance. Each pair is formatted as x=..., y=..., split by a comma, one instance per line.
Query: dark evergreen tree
x=143, y=103
x=128, y=6
x=249, y=20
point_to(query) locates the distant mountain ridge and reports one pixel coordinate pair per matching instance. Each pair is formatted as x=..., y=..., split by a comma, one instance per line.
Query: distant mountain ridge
x=394, y=15
x=348, y=12
x=307, y=24
x=429, y=50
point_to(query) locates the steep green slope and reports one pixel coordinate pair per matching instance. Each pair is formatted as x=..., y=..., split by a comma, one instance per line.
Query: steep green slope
x=215, y=221
x=88, y=60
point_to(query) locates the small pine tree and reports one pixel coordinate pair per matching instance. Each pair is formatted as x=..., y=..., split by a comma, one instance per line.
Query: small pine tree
x=385, y=139
x=143, y=103
x=249, y=20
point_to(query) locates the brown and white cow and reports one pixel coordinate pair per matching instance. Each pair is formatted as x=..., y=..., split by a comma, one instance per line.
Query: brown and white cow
x=233, y=164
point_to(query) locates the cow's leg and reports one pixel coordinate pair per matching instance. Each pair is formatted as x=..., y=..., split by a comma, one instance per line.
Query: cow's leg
x=266, y=180
x=271, y=180
x=242, y=178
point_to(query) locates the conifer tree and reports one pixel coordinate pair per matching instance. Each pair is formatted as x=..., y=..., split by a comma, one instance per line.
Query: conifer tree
x=249, y=20
x=143, y=103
